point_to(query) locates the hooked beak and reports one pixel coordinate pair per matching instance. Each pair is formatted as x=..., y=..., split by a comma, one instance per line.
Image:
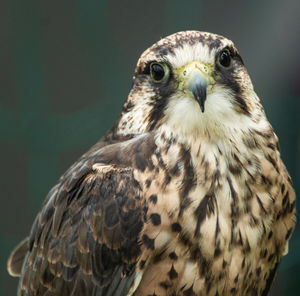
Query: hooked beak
x=195, y=80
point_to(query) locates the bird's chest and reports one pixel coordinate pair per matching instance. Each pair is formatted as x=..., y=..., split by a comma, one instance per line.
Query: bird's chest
x=225, y=228
x=220, y=203
x=212, y=230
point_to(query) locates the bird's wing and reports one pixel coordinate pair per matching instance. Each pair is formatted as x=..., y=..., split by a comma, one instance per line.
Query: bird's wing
x=16, y=258
x=85, y=239
x=270, y=280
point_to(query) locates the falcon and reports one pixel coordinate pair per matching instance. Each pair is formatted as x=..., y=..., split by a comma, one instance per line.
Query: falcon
x=185, y=195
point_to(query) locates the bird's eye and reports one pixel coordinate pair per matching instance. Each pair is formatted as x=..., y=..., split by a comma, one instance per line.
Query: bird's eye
x=159, y=72
x=225, y=58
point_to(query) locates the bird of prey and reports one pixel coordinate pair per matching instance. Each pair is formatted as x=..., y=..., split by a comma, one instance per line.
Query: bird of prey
x=185, y=195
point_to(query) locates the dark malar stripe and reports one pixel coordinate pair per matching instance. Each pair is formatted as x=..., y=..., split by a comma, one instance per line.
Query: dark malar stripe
x=241, y=104
x=157, y=112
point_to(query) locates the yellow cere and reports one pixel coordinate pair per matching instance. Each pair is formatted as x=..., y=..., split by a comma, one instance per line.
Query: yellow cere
x=185, y=73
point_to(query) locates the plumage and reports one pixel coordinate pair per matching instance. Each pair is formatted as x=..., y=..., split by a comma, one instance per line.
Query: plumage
x=185, y=195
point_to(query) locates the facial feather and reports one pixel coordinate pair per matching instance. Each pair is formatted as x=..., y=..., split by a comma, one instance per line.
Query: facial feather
x=230, y=105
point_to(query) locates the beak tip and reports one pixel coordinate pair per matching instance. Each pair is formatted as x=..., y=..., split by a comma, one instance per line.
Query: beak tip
x=200, y=95
x=196, y=80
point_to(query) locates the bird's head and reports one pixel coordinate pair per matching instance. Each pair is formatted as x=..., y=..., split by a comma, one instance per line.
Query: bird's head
x=193, y=83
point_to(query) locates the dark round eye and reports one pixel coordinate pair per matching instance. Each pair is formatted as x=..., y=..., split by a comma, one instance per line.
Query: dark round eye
x=159, y=72
x=225, y=58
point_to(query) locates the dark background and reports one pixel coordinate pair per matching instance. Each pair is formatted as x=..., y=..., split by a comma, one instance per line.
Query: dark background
x=66, y=68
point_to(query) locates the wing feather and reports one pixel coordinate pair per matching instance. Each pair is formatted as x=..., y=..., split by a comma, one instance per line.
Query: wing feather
x=85, y=239
x=16, y=259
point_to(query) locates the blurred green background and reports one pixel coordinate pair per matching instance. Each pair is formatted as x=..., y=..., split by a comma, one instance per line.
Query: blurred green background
x=66, y=68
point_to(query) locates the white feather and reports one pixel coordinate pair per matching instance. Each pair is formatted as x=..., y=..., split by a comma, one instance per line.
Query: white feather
x=189, y=53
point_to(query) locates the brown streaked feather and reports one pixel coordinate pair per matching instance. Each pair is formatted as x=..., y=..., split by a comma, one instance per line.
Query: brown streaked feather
x=83, y=234
x=16, y=258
